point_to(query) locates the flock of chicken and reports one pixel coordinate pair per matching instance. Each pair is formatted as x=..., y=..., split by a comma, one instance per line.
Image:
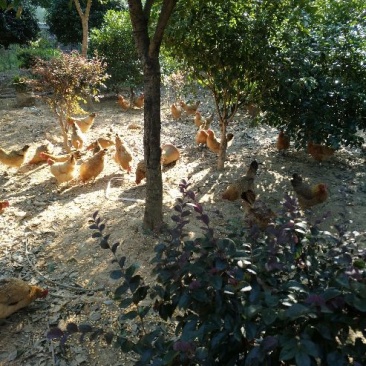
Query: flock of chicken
x=16, y=294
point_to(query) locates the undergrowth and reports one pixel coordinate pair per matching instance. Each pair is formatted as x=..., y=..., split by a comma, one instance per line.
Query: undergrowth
x=288, y=294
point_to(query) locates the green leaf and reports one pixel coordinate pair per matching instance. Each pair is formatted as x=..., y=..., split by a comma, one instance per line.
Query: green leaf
x=252, y=310
x=200, y=295
x=302, y=359
x=125, y=303
x=353, y=300
x=297, y=311
x=143, y=310
x=184, y=300
x=310, y=348
x=269, y=316
x=134, y=283
x=139, y=294
x=331, y=293
x=131, y=270
x=216, y=282
x=121, y=290
x=217, y=339
x=169, y=358
x=129, y=316
x=116, y=274
x=289, y=350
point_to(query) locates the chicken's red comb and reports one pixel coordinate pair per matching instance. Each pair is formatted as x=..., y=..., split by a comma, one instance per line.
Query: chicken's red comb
x=45, y=292
x=5, y=204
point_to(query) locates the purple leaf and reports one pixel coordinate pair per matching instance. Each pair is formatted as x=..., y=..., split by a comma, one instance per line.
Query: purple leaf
x=85, y=328
x=204, y=218
x=175, y=218
x=55, y=333
x=191, y=195
x=109, y=337
x=114, y=247
x=178, y=208
x=269, y=344
x=72, y=328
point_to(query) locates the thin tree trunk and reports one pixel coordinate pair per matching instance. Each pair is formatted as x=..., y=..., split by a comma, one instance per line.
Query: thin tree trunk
x=149, y=49
x=85, y=25
x=223, y=146
x=153, y=216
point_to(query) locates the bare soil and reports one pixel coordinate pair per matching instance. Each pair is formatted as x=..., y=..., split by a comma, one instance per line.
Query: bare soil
x=45, y=236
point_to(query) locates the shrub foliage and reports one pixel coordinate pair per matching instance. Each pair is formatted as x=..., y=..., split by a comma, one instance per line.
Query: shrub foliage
x=289, y=294
x=66, y=81
x=114, y=41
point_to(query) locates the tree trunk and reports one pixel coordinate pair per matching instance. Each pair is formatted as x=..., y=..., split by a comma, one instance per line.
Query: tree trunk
x=149, y=49
x=85, y=25
x=84, y=44
x=223, y=146
x=63, y=127
x=153, y=216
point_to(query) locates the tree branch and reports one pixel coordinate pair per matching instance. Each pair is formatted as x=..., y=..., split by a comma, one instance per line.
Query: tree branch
x=140, y=25
x=78, y=8
x=147, y=8
x=165, y=13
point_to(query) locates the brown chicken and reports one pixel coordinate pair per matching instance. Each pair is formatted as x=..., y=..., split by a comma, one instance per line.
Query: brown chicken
x=14, y=158
x=319, y=152
x=104, y=143
x=207, y=122
x=92, y=167
x=244, y=184
x=169, y=154
x=140, y=171
x=138, y=102
x=44, y=148
x=16, y=294
x=198, y=120
x=283, y=142
x=201, y=137
x=123, y=102
x=307, y=195
x=3, y=206
x=84, y=123
x=257, y=211
x=65, y=171
x=122, y=156
x=213, y=143
x=97, y=148
x=77, y=138
x=176, y=111
x=190, y=109
x=60, y=158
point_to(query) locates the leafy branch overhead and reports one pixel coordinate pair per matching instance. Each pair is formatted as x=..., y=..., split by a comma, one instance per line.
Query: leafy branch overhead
x=287, y=293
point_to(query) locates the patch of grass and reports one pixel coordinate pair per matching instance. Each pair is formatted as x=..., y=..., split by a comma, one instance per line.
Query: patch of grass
x=8, y=58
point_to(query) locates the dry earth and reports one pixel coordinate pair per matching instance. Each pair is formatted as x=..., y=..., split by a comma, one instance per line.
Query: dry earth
x=45, y=237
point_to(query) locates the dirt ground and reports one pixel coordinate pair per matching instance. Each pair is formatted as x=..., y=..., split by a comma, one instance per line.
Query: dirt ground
x=45, y=237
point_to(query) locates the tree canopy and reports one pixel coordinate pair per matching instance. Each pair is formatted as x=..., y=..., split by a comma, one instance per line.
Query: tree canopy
x=18, y=28
x=301, y=62
x=114, y=42
x=64, y=20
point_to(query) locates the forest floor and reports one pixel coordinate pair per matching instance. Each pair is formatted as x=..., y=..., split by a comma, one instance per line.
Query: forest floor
x=45, y=236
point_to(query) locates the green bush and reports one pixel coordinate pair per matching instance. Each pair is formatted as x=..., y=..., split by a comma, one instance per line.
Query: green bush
x=8, y=58
x=289, y=294
x=40, y=49
x=114, y=42
x=316, y=78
